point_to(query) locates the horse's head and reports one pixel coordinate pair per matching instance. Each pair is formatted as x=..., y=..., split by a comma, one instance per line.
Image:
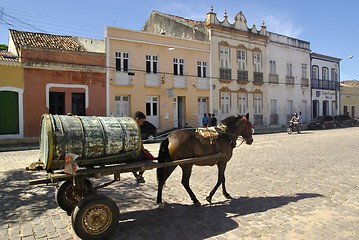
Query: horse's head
x=239, y=126
x=245, y=127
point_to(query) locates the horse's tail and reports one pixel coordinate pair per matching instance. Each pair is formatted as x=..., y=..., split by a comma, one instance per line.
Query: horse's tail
x=163, y=156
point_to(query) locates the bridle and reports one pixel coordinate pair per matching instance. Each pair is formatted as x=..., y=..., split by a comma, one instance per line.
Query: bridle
x=244, y=119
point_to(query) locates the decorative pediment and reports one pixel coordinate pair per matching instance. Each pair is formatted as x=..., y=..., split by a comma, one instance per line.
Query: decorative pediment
x=225, y=89
x=224, y=43
x=240, y=23
x=242, y=90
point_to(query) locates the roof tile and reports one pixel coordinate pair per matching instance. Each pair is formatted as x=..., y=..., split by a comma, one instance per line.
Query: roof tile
x=43, y=40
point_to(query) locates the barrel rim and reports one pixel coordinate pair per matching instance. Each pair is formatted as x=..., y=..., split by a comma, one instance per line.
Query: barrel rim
x=46, y=118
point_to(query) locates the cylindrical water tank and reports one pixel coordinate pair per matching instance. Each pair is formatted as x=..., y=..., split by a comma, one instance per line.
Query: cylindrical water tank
x=97, y=140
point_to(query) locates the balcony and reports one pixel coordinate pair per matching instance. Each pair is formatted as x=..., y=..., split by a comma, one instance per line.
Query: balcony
x=202, y=83
x=324, y=84
x=242, y=77
x=273, y=78
x=289, y=80
x=305, y=82
x=225, y=74
x=122, y=79
x=258, y=120
x=258, y=78
x=179, y=81
x=274, y=119
x=152, y=80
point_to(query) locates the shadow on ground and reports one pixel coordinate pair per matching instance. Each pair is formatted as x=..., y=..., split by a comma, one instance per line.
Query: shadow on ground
x=179, y=221
x=18, y=198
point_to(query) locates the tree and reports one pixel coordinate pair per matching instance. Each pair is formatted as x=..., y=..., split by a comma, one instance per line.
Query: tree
x=3, y=47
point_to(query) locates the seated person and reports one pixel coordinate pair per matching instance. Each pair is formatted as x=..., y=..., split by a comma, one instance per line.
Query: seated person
x=140, y=117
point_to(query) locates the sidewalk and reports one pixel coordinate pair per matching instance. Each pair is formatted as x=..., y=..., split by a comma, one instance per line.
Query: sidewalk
x=18, y=144
x=29, y=144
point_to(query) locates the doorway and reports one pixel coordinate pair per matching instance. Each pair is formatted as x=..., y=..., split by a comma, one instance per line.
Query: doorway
x=202, y=109
x=181, y=111
x=152, y=110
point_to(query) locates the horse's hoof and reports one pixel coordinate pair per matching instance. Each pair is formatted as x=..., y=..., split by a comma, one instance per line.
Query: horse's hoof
x=161, y=206
x=227, y=196
x=197, y=204
x=209, y=199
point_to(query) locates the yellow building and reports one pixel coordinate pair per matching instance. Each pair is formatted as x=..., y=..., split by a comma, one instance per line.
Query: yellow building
x=165, y=77
x=349, y=98
x=11, y=97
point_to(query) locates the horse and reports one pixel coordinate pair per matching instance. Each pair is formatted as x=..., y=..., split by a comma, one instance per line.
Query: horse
x=183, y=144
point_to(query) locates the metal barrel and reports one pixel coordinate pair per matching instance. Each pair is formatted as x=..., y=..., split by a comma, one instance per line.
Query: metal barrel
x=97, y=140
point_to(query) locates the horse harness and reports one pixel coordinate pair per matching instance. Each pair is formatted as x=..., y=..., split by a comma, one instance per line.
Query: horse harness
x=212, y=134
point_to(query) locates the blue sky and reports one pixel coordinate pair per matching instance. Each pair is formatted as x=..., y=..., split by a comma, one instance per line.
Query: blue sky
x=330, y=26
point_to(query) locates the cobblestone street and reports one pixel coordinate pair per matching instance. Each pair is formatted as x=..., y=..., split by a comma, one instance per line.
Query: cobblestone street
x=299, y=186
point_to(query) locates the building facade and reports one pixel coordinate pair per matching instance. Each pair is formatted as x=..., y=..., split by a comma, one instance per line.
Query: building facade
x=165, y=77
x=325, y=88
x=59, y=76
x=288, y=86
x=11, y=97
x=252, y=70
x=349, y=98
x=238, y=56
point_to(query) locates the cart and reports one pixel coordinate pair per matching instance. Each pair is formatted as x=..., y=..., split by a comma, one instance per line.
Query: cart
x=95, y=216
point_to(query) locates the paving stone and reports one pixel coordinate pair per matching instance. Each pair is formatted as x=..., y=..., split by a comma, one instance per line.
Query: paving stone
x=278, y=193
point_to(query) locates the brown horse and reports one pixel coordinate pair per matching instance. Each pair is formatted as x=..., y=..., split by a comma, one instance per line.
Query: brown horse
x=183, y=144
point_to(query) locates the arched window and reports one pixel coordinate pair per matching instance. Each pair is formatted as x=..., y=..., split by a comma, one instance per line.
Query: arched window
x=315, y=72
x=325, y=73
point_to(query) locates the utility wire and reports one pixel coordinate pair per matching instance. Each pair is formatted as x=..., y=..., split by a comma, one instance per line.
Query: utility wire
x=16, y=22
x=31, y=22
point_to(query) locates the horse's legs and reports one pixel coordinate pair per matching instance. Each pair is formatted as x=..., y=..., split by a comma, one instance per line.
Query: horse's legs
x=186, y=174
x=224, y=191
x=221, y=180
x=161, y=182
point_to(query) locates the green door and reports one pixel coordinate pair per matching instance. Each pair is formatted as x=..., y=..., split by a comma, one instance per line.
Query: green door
x=9, y=113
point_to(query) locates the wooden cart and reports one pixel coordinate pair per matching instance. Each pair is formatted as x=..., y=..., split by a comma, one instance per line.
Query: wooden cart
x=95, y=216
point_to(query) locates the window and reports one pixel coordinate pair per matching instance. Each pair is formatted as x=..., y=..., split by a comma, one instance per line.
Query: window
x=122, y=106
x=151, y=64
x=257, y=103
x=242, y=60
x=242, y=103
x=273, y=104
x=121, y=61
x=78, y=104
x=325, y=73
x=225, y=102
x=257, y=58
x=290, y=110
x=289, y=70
x=334, y=74
x=315, y=72
x=151, y=106
x=201, y=69
x=178, y=66
x=304, y=70
x=57, y=103
x=224, y=57
x=272, y=67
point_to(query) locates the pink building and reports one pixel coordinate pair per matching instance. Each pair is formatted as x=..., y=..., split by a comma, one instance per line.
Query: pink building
x=62, y=74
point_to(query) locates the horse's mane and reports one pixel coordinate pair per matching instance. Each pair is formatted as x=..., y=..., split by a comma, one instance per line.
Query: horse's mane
x=230, y=122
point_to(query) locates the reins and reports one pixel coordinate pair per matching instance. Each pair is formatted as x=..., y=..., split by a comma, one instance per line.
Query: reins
x=244, y=119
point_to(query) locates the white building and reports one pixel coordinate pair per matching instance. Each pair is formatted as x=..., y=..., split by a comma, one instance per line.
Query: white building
x=288, y=80
x=325, y=85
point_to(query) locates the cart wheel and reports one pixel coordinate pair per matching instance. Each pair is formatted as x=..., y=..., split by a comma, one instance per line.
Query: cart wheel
x=95, y=217
x=67, y=197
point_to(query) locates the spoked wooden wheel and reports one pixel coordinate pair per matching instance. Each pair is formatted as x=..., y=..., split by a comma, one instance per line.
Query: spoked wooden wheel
x=95, y=217
x=67, y=196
